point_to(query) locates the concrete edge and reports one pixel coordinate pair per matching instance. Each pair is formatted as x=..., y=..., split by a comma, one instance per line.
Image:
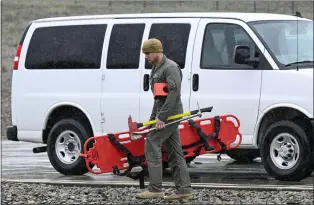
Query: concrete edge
x=167, y=184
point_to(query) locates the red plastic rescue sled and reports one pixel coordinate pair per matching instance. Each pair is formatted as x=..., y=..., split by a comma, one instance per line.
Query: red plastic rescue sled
x=116, y=152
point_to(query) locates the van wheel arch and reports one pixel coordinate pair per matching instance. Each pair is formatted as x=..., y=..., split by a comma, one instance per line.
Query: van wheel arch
x=282, y=113
x=66, y=111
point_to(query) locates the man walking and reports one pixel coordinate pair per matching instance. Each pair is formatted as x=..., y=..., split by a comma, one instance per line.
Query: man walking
x=165, y=71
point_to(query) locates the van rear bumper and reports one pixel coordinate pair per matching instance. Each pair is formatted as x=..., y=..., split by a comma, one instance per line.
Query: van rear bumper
x=12, y=133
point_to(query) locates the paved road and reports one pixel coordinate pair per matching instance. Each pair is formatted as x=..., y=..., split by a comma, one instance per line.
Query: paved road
x=20, y=163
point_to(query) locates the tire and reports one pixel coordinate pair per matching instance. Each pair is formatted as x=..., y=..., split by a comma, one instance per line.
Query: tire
x=80, y=133
x=294, y=140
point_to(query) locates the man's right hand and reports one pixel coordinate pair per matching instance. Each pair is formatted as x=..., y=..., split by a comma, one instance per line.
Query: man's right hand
x=159, y=124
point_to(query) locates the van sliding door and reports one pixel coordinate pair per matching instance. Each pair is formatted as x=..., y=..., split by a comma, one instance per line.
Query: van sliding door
x=177, y=37
x=121, y=82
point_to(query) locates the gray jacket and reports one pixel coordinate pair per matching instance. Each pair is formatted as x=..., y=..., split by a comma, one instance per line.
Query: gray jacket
x=167, y=72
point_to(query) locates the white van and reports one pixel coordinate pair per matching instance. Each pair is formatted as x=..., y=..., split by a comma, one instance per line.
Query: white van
x=77, y=77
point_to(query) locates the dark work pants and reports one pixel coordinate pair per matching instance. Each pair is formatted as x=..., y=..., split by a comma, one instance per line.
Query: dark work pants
x=169, y=137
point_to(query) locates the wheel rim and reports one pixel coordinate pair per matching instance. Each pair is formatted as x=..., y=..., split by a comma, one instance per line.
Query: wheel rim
x=284, y=151
x=68, y=145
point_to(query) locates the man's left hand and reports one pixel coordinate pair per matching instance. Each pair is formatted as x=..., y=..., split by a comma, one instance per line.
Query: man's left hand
x=159, y=124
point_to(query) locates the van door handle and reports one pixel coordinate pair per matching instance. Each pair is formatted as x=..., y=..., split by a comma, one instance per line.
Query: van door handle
x=146, y=82
x=195, y=82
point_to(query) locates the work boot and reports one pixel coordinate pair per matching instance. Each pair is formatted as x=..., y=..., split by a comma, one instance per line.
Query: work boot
x=178, y=197
x=150, y=195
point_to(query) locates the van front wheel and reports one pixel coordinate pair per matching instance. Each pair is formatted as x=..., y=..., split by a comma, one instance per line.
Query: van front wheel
x=65, y=140
x=286, y=152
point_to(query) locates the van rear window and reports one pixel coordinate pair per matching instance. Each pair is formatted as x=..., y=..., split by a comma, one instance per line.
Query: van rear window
x=66, y=47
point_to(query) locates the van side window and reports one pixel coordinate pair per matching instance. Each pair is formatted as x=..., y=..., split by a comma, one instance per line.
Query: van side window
x=66, y=47
x=219, y=43
x=174, y=37
x=125, y=46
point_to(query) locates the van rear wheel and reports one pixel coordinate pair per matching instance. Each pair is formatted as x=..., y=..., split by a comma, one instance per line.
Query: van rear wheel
x=65, y=140
x=286, y=152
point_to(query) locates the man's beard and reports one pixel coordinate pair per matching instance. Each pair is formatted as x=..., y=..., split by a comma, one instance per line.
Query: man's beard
x=154, y=61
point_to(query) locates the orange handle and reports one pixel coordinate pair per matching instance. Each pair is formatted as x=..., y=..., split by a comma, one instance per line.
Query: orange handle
x=237, y=145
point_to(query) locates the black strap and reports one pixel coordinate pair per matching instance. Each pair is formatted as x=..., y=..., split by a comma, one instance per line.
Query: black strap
x=217, y=129
x=132, y=160
x=216, y=135
x=217, y=126
x=119, y=145
x=204, y=138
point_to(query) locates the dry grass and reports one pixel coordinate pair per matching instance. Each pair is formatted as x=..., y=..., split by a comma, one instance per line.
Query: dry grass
x=16, y=14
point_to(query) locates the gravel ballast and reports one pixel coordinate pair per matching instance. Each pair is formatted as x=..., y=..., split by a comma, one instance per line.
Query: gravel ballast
x=23, y=193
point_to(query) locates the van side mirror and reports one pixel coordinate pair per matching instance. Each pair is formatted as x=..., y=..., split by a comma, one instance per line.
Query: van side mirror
x=242, y=56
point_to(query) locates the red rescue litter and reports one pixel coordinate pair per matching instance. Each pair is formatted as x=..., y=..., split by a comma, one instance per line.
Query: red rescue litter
x=116, y=152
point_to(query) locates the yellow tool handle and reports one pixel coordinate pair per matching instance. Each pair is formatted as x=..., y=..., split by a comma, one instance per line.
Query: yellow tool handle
x=173, y=117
